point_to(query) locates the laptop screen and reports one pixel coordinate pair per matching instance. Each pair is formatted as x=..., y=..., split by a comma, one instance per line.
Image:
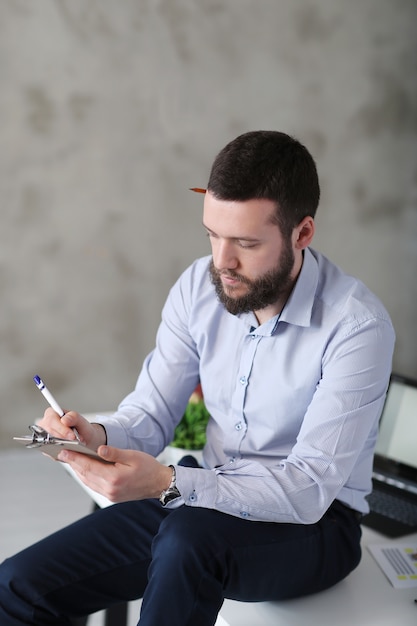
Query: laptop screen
x=397, y=439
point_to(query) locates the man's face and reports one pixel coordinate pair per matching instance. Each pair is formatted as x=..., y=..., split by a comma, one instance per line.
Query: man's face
x=253, y=265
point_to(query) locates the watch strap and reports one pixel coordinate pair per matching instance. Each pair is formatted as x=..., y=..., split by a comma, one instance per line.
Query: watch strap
x=172, y=493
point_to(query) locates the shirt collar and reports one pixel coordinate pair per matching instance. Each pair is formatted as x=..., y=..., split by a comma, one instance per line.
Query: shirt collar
x=299, y=306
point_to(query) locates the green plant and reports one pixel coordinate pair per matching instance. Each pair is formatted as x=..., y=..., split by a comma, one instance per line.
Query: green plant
x=191, y=431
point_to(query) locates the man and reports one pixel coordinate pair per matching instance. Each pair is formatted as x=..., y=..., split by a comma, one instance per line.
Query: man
x=294, y=359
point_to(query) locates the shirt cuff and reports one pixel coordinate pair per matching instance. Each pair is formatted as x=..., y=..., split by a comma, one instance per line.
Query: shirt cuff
x=116, y=435
x=198, y=487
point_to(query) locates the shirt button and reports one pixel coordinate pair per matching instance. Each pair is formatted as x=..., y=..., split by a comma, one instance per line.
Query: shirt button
x=242, y=380
x=232, y=460
x=238, y=426
x=244, y=514
x=193, y=497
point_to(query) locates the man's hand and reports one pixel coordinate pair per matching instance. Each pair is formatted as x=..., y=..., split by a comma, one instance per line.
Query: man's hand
x=93, y=435
x=132, y=475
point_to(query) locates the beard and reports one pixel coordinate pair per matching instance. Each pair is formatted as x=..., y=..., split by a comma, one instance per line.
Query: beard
x=262, y=291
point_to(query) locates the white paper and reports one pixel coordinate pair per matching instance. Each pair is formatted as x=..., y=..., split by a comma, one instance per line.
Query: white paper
x=398, y=562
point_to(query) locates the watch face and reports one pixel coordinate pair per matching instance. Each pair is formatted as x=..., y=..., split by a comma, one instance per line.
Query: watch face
x=170, y=494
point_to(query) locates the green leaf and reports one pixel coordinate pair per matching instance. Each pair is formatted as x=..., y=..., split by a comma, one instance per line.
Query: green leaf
x=190, y=433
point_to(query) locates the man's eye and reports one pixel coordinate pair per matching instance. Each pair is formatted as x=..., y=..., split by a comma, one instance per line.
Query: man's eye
x=247, y=244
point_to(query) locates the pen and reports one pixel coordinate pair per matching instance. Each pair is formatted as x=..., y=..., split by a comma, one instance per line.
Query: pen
x=51, y=400
x=198, y=189
x=48, y=396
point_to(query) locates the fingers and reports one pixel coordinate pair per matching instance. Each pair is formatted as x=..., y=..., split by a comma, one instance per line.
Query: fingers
x=130, y=458
x=85, y=463
x=112, y=455
x=69, y=419
x=60, y=427
x=93, y=473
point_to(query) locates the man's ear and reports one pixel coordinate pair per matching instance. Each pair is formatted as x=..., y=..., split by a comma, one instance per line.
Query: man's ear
x=304, y=233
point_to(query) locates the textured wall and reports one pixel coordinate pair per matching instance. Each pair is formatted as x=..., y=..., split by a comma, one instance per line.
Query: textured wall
x=109, y=111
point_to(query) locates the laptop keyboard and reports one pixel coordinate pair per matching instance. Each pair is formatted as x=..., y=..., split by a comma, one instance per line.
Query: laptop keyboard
x=393, y=507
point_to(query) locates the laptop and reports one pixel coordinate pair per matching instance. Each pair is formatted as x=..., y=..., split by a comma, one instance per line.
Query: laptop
x=393, y=501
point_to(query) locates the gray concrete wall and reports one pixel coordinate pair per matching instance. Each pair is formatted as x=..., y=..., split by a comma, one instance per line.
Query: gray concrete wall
x=110, y=110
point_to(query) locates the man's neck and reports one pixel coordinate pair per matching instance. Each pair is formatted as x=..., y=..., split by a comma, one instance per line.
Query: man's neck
x=268, y=312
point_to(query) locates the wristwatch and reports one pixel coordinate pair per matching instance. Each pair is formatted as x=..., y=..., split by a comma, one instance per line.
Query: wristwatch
x=172, y=492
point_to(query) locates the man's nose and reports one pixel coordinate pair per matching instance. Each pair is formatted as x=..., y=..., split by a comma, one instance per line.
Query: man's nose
x=224, y=255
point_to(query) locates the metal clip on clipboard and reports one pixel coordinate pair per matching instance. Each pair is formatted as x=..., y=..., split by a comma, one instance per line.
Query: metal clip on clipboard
x=52, y=446
x=40, y=437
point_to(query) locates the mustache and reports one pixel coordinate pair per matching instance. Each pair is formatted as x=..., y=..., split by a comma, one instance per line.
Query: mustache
x=232, y=274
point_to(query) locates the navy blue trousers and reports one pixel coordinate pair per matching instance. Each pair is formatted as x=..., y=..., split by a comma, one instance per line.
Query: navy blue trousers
x=183, y=562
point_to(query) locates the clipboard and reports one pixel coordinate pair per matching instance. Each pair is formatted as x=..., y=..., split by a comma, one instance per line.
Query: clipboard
x=51, y=446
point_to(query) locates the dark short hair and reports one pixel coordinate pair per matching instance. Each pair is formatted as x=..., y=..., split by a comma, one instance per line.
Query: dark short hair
x=268, y=165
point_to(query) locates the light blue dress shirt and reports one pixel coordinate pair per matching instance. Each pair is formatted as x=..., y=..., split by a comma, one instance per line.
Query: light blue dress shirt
x=294, y=402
